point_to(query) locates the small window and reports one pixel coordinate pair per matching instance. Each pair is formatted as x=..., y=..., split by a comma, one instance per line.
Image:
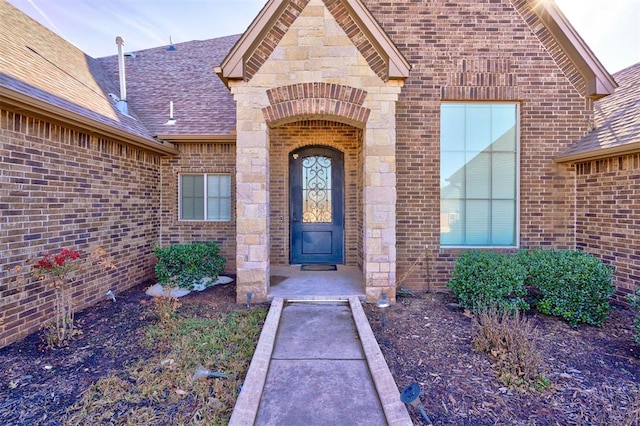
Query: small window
x=205, y=197
x=478, y=174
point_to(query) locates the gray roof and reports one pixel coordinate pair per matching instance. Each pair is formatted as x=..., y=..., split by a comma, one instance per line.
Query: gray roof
x=616, y=121
x=202, y=103
x=38, y=64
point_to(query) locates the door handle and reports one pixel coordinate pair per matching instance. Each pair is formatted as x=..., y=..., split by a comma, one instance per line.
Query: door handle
x=294, y=217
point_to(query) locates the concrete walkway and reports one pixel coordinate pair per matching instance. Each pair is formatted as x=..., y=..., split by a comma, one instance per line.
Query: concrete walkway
x=318, y=363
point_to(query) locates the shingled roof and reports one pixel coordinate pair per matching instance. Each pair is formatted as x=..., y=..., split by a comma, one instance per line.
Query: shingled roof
x=617, y=122
x=42, y=73
x=202, y=104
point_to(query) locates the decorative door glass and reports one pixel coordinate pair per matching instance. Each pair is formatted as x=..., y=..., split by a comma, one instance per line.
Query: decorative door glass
x=316, y=190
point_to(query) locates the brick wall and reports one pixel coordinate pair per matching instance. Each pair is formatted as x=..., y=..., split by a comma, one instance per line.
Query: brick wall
x=215, y=157
x=62, y=188
x=289, y=137
x=472, y=50
x=608, y=215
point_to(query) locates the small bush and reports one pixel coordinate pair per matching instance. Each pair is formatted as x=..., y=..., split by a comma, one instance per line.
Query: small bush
x=60, y=272
x=165, y=308
x=574, y=285
x=635, y=302
x=510, y=340
x=184, y=265
x=483, y=279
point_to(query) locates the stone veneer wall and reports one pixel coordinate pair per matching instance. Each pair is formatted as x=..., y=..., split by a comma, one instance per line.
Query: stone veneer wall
x=480, y=51
x=216, y=157
x=62, y=188
x=289, y=137
x=315, y=49
x=608, y=216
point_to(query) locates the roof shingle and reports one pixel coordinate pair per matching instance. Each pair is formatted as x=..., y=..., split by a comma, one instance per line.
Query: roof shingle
x=37, y=63
x=155, y=77
x=617, y=120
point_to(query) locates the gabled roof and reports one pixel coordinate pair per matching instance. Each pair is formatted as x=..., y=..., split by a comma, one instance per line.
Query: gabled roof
x=598, y=82
x=268, y=28
x=202, y=105
x=616, y=122
x=42, y=73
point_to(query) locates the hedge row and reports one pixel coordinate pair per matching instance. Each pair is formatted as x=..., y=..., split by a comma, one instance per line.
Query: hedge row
x=570, y=284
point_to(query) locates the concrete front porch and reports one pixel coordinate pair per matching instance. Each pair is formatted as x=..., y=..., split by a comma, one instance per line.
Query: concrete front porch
x=291, y=283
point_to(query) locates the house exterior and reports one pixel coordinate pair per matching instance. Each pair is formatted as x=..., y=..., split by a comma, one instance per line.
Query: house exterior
x=607, y=181
x=390, y=136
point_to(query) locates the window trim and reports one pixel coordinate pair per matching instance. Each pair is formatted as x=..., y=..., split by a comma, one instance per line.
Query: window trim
x=517, y=183
x=205, y=191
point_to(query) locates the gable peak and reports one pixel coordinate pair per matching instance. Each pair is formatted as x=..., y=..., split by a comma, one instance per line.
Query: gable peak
x=276, y=18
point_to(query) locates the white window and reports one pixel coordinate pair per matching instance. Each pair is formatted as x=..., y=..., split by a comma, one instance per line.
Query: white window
x=205, y=197
x=478, y=174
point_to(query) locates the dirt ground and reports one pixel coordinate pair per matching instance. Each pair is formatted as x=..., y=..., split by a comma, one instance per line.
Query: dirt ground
x=594, y=372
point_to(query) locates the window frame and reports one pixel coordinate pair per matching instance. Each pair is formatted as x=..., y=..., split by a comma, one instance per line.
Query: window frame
x=205, y=197
x=518, y=150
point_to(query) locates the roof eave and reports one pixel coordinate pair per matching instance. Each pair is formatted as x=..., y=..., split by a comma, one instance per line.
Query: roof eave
x=198, y=138
x=22, y=102
x=232, y=67
x=399, y=67
x=599, y=82
x=599, y=153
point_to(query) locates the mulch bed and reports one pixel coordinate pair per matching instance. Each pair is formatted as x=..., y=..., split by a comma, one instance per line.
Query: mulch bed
x=594, y=372
x=37, y=385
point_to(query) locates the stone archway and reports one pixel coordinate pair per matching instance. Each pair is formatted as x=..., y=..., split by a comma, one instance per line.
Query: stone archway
x=319, y=101
x=315, y=60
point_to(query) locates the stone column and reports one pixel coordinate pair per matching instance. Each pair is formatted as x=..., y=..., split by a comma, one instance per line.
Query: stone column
x=252, y=195
x=380, y=195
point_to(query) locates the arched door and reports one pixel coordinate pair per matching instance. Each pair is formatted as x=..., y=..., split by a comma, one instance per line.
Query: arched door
x=316, y=183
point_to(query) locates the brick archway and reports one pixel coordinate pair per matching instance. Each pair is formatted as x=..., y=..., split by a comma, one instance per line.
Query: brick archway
x=327, y=101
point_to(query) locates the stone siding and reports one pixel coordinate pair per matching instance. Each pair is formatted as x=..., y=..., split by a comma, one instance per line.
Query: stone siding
x=315, y=51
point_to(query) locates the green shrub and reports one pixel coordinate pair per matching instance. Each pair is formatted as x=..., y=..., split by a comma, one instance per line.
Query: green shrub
x=574, y=285
x=484, y=279
x=184, y=265
x=635, y=302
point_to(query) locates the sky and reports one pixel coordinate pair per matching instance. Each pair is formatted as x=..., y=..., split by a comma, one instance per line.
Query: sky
x=611, y=28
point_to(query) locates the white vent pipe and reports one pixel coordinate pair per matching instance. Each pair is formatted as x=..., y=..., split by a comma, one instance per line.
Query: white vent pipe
x=122, y=103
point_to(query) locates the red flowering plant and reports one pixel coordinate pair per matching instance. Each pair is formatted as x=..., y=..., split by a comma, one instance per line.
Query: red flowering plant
x=56, y=264
x=59, y=270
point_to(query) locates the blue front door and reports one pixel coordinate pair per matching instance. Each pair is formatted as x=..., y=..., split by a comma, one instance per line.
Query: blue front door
x=316, y=177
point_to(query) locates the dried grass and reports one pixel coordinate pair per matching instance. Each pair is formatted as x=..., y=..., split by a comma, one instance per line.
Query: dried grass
x=633, y=413
x=162, y=389
x=510, y=340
